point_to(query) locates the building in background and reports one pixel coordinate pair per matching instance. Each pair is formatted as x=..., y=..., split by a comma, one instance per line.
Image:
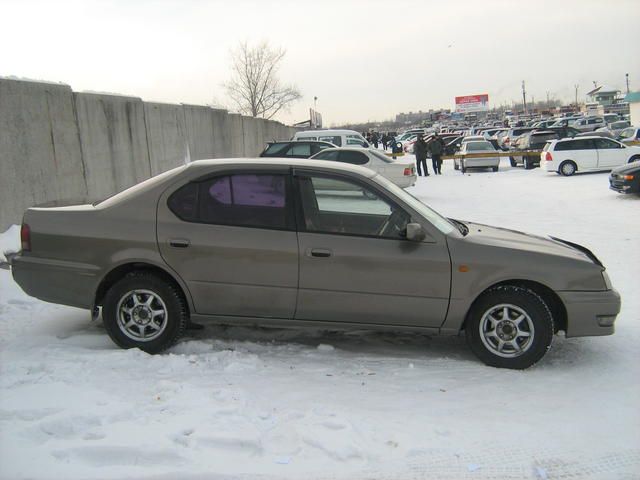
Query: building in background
x=633, y=100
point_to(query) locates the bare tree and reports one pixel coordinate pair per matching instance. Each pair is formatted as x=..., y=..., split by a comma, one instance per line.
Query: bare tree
x=254, y=86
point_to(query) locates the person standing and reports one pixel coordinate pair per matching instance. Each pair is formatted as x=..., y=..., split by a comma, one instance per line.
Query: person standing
x=420, y=151
x=375, y=139
x=436, y=146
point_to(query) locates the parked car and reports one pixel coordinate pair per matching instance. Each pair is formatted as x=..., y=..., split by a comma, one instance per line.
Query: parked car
x=626, y=178
x=586, y=154
x=588, y=124
x=261, y=242
x=400, y=172
x=478, y=147
x=339, y=138
x=506, y=140
x=616, y=128
x=564, y=132
x=531, y=141
x=301, y=149
x=629, y=135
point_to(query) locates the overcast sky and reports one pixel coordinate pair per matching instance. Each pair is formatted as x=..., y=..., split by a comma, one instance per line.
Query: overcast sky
x=364, y=60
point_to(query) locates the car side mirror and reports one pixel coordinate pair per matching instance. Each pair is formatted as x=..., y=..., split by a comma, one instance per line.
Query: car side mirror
x=415, y=232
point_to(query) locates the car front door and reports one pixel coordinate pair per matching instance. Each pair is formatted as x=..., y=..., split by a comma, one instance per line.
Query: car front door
x=355, y=265
x=610, y=153
x=232, y=240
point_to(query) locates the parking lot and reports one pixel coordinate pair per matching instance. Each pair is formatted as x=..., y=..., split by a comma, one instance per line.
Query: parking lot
x=256, y=403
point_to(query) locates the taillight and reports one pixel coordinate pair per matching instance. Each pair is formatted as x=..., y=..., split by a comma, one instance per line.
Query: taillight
x=25, y=237
x=548, y=157
x=407, y=172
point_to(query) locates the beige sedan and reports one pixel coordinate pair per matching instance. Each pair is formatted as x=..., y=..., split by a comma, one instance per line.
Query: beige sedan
x=265, y=241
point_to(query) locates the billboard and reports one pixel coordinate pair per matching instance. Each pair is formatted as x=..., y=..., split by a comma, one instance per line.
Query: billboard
x=472, y=103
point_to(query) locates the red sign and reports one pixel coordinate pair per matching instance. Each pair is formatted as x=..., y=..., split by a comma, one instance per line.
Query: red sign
x=469, y=103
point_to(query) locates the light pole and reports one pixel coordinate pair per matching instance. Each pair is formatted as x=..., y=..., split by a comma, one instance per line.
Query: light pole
x=315, y=104
x=627, y=77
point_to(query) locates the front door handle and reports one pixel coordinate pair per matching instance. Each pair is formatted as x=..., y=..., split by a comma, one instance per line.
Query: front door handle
x=179, y=243
x=319, y=252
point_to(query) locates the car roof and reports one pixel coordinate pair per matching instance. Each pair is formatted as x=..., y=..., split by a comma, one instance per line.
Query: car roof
x=328, y=131
x=275, y=161
x=320, y=142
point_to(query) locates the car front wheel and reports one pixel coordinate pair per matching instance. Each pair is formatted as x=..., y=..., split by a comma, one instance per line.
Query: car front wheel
x=509, y=327
x=144, y=311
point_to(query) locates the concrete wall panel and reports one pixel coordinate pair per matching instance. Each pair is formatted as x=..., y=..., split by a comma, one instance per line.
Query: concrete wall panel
x=40, y=157
x=199, y=123
x=166, y=136
x=114, y=142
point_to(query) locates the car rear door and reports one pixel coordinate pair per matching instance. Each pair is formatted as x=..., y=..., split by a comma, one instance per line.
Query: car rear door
x=232, y=240
x=356, y=267
x=610, y=153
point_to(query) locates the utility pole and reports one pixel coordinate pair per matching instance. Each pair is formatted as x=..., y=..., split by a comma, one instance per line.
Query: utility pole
x=627, y=76
x=547, y=99
x=524, y=97
x=576, y=87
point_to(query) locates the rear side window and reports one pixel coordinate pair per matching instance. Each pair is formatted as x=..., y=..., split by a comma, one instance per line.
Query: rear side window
x=299, y=150
x=336, y=140
x=245, y=200
x=355, y=158
x=330, y=155
x=586, y=144
x=276, y=149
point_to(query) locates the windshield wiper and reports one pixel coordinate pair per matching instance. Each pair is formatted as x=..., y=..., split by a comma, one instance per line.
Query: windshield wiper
x=461, y=226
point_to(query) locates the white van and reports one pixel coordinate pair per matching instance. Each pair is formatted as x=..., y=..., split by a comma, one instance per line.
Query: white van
x=340, y=138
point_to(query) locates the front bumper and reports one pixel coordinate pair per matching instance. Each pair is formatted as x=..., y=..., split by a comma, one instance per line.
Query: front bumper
x=591, y=313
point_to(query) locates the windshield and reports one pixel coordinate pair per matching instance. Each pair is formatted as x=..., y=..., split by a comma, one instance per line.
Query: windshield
x=479, y=146
x=627, y=133
x=437, y=220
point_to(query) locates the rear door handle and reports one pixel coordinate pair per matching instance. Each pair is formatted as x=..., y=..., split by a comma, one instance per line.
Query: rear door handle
x=319, y=252
x=179, y=243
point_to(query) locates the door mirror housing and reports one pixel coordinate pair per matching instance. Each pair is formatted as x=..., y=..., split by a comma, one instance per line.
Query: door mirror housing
x=415, y=232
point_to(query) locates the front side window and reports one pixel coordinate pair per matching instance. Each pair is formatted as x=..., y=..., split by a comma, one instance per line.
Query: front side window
x=605, y=144
x=338, y=206
x=247, y=200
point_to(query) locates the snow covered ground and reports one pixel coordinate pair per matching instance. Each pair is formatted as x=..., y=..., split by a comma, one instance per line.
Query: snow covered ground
x=250, y=403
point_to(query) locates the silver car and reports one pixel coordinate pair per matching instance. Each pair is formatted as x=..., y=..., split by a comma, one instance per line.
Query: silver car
x=272, y=242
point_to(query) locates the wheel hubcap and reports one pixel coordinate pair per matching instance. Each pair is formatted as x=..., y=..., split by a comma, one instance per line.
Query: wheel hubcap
x=142, y=315
x=506, y=330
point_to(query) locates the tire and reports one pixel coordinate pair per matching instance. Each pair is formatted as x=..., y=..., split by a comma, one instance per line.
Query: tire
x=495, y=169
x=456, y=166
x=528, y=164
x=523, y=343
x=144, y=311
x=512, y=162
x=567, y=168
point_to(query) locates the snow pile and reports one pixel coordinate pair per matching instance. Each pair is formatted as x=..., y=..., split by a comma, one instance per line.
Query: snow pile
x=240, y=403
x=9, y=242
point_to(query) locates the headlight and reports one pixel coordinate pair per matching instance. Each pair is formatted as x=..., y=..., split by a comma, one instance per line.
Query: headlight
x=607, y=281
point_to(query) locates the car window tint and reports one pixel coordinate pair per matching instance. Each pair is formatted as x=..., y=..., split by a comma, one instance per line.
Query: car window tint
x=604, y=144
x=578, y=144
x=330, y=155
x=244, y=200
x=355, y=158
x=336, y=140
x=300, y=149
x=277, y=148
x=183, y=202
x=341, y=207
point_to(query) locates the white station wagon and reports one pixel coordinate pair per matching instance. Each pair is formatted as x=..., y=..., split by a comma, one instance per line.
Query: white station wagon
x=586, y=154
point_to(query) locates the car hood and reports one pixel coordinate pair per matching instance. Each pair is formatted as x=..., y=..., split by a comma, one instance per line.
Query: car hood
x=628, y=168
x=515, y=240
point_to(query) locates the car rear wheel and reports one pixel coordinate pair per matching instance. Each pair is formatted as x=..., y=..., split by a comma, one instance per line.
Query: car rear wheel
x=512, y=162
x=495, y=169
x=144, y=311
x=509, y=327
x=567, y=168
x=528, y=164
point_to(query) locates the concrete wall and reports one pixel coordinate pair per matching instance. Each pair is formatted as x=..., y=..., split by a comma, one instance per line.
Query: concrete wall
x=57, y=145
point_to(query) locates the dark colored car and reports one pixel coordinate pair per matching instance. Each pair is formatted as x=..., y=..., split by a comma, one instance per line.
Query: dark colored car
x=534, y=141
x=299, y=149
x=564, y=132
x=626, y=179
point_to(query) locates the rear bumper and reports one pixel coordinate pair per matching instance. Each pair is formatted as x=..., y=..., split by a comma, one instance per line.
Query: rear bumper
x=56, y=281
x=591, y=313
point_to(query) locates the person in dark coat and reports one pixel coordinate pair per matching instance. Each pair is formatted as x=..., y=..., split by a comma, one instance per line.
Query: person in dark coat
x=436, y=146
x=420, y=151
x=374, y=139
